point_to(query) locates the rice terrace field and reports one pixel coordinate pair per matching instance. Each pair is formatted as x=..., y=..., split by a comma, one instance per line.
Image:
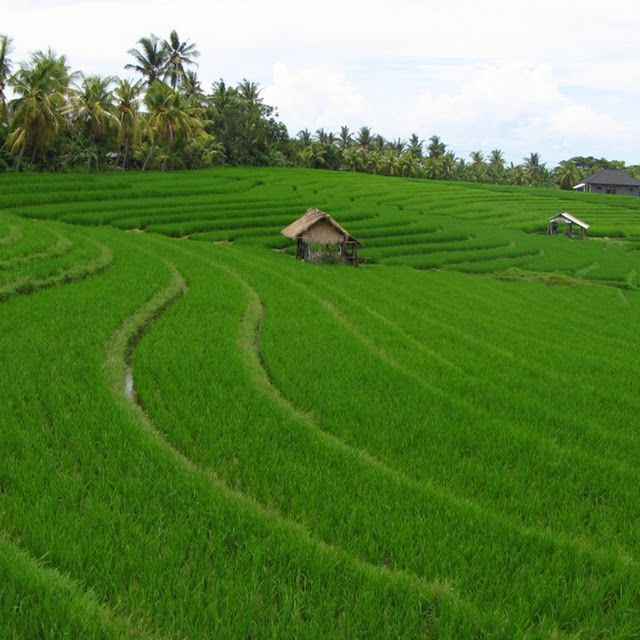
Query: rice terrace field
x=202, y=437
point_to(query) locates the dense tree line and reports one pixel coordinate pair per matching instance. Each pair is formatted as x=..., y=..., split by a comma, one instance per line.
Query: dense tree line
x=54, y=119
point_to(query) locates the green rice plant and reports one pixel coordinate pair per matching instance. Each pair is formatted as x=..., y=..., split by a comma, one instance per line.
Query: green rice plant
x=312, y=450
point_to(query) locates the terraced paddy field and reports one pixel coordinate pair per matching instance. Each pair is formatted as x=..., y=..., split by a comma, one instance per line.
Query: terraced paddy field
x=203, y=437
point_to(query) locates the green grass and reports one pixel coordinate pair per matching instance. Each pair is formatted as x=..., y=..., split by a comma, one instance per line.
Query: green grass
x=441, y=443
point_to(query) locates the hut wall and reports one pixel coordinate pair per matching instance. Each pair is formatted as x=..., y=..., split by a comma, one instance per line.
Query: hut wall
x=322, y=233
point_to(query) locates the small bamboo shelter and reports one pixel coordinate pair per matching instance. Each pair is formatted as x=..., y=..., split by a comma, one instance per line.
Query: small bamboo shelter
x=570, y=221
x=321, y=239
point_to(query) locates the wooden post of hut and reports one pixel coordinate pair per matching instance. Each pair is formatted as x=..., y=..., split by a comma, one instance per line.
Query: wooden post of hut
x=321, y=239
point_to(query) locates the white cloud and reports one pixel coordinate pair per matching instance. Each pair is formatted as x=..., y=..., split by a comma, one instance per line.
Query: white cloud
x=313, y=98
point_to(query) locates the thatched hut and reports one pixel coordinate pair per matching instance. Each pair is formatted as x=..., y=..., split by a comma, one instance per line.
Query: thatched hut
x=321, y=239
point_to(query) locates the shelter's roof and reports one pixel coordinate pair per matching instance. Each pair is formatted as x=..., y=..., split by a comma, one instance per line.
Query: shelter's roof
x=613, y=176
x=310, y=218
x=567, y=217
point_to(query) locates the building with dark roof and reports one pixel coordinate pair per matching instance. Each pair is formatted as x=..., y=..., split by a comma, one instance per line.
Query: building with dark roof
x=611, y=181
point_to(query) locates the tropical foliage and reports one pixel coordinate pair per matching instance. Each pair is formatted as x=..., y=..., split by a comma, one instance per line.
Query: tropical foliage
x=52, y=120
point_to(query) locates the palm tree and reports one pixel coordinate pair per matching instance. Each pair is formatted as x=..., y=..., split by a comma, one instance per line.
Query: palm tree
x=436, y=147
x=518, y=175
x=345, y=138
x=496, y=159
x=398, y=145
x=364, y=138
x=127, y=105
x=496, y=166
x=177, y=56
x=537, y=170
x=478, y=167
x=250, y=92
x=322, y=136
x=172, y=122
x=415, y=146
x=378, y=143
x=41, y=86
x=92, y=111
x=304, y=137
x=150, y=61
x=374, y=161
x=390, y=163
x=567, y=174
x=6, y=47
x=409, y=165
x=192, y=89
x=355, y=159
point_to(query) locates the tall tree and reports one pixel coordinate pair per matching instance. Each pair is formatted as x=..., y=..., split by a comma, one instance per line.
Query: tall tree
x=178, y=55
x=127, y=106
x=567, y=174
x=172, y=122
x=496, y=166
x=398, y=145
x=150, y=59
x=537, y=171
x=192, y=89
x=6, y=47
x=518, y=175
x=364, y=138
x=41, y=86
x=436, y=147
x=345, y=138
x=304, y=138
x=477, y=168
x=91, y=110
x=378, y=143
x=249, y=92
x=415, y=146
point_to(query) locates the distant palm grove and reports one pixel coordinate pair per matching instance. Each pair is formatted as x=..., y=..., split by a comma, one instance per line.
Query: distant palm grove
x=56, y=119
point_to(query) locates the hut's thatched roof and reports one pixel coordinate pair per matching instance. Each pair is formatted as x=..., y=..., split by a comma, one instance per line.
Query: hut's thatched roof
x=309, y=219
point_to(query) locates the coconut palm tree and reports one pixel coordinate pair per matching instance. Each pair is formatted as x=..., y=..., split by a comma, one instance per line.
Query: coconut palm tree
x=250, y=92
x=126, y=107
x=364, y=138
x=172, y=121
x=415, y=146
x=496, y=166
x=41, y=87
x=322, y=136
x=304, y=137
x=409, y=165
x=567, y=174
x=355, y=159
x=192, y=89
x=345, y=138
x=538, y=174
x=91, y=110
x=177, y=55
x=518, y=175
x=398, y=145
x=436, y=147
x=150, y=60
x=390, y=163
x=478, y=167
x=6, y=47
x=378, y=143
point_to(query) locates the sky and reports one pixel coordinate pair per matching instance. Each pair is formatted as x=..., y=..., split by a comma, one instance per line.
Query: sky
x=557, y=77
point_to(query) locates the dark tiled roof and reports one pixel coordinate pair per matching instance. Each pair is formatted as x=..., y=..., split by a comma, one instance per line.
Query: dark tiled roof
x=616, y=177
